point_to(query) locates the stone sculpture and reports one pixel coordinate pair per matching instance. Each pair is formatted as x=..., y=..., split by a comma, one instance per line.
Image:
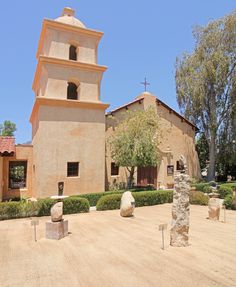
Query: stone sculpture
x=127, y=204
x=180, y=209
x=57, y=228
x=57, y=212
x=214, y=205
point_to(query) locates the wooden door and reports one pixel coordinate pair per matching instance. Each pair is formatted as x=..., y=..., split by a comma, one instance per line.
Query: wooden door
x=147, y=175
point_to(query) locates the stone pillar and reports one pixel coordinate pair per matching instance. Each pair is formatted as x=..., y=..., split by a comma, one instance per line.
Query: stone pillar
x=180, y=211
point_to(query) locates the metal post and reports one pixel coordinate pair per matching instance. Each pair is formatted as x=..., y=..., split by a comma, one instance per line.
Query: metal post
x=35, y=238
x=163, y=243
x=224, y=207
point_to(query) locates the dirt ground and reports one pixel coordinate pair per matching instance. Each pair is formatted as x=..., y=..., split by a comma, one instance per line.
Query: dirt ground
x=105, y=250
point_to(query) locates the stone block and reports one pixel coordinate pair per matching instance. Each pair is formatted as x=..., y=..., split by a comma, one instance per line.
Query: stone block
x=56, y=230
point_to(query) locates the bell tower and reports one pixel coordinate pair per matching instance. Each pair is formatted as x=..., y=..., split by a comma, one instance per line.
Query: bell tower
x=68, y=117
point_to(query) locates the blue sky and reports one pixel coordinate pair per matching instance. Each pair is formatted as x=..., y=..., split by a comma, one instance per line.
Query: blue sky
x=141, y=38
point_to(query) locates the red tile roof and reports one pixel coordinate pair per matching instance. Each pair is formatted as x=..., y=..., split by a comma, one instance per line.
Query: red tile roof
x=7, y=146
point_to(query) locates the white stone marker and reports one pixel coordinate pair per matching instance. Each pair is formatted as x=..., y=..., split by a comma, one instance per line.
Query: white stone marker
x=127, y=204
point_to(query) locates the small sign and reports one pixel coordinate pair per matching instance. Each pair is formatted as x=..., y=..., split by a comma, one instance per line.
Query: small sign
x=34, y=222
x=162, y=226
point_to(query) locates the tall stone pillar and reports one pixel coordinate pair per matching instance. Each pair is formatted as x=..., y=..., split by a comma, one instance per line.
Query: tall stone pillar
x=180, y=211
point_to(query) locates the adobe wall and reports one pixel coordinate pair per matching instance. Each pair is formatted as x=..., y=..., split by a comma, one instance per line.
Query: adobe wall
x=24, y=153
x=69, y=135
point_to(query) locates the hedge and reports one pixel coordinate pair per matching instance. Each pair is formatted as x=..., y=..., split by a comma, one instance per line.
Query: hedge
x=142, y=198
x=109, y=202
x=230, y=202
x=232, y=185
x=94, y=197
x=19, y=209
x=198, y=198
x=200, y=186
x=75, y=205
x=224, y=191
x=207, y=189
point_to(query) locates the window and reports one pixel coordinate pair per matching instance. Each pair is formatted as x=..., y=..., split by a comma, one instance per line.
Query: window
x=73, y=53
x=179, y=166
x=72, y=169
x=72, y=93
x=17, y=174
x=170, y=169
x=114, y=169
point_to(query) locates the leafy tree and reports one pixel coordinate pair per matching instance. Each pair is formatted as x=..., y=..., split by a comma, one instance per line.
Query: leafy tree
x=135, y=141
x=206, y=81
x=226, y=156
x=7, y=128
x=202, y=150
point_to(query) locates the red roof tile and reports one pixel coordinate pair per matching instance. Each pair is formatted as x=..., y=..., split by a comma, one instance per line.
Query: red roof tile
x=7, y=146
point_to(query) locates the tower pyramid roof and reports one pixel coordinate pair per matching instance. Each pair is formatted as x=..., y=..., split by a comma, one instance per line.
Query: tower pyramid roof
x=67, y=17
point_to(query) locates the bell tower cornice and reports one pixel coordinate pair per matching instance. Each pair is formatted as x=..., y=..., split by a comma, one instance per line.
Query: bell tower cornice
x=64, y=63
x=52, y=24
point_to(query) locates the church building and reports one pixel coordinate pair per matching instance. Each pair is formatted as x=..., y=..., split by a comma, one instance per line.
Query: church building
x=70, y=124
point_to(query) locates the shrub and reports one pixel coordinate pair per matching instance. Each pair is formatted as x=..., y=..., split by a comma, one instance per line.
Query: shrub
x=29, y=209
x=232, y=185
x=224, y=191
x=10, y=209
x=198, y=197
x=200, y=186
x=94, y=197
x=142, y=198
x=207, y=189
x=18, y=209
x=44, y=206
x=75, y=205
x=230, y=202
x=109, y=202
x=146, y=198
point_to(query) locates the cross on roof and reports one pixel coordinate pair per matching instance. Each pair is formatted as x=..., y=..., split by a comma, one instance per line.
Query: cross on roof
x=145, y=83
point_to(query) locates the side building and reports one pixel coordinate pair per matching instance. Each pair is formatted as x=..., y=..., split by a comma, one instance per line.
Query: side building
x=177, y=137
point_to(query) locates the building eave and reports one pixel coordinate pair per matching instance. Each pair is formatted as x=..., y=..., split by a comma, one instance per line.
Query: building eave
x=125, y=106
x=183, y=119
x=65, y=103
x=65, y=63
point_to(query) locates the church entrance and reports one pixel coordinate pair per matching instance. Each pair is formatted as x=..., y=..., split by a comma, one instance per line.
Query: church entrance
x=147, y=176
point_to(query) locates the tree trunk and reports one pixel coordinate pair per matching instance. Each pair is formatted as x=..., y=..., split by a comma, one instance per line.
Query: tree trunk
x=131, y=177
x=212, y=158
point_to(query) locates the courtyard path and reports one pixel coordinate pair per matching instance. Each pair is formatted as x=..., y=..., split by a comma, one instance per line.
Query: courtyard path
x=106, y=250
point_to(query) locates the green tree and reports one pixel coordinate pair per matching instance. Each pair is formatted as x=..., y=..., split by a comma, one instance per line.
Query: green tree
x=7, y=128
x=202, y=150
x=135, y=141
x=206, y=81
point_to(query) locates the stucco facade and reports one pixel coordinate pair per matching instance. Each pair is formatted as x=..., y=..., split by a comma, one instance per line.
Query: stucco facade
x=67, y=130
x=177, y=137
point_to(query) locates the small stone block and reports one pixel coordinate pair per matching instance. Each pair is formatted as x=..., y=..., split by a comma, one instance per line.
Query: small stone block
x=56, y=230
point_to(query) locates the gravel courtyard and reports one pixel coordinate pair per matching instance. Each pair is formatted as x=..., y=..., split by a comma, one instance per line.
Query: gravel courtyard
x=104, y=249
